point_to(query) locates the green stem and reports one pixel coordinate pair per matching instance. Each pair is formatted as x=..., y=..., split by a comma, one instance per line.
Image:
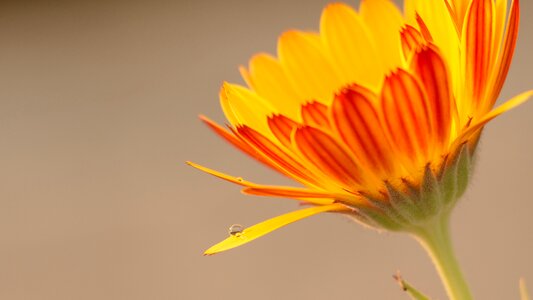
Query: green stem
x=435, y=238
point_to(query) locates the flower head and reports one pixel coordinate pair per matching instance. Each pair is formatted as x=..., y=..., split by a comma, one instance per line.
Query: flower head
x=377, y=116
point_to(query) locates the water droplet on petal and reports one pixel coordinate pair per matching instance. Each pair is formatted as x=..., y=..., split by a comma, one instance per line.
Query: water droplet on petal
x=235, y=229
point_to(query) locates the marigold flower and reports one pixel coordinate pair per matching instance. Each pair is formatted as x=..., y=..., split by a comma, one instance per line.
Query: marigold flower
x=378, y=115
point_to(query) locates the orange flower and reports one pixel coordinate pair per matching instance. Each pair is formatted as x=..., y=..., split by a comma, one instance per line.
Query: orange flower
x=378, y=115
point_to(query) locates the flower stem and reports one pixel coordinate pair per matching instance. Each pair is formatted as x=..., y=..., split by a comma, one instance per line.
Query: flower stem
x=435, y=238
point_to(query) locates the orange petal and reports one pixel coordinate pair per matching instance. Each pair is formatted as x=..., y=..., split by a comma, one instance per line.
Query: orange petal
x=505, y=58
x=431, y=69
x=315, y=114
x=282, y=128
x=317, y=197
x=478, y=34
x=284, y=160
x=358, y=124
x=406, y=115
x=412, y=39
x=325, y=153
x=270, y=225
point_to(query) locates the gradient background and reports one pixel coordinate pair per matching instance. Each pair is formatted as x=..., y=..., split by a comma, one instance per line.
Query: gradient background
x=98, y=112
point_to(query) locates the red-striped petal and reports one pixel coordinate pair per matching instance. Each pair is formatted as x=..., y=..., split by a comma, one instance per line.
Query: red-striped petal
x=324, y=152
x=282, y=127
x=431, y=69
x=315, y=114
x=357, y=122
x=412, y=39
x=406, y=115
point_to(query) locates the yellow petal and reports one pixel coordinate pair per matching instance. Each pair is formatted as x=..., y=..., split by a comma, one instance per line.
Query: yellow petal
x=384, y=20
x=270, y=225
x=242, y=106
x=312, y=196
x=303, y=59
x=351, y=47
x=267, y=78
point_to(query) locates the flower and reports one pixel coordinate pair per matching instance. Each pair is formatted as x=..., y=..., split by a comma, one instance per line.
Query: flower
x=378, y=115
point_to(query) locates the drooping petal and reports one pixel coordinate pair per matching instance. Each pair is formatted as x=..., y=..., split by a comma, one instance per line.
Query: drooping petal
x=267, y=78
x=351, y=48
x=313, y=197
x=477, y=125
x=406, y=116
x=270, y=225
x=307, y=66
x=357, y=122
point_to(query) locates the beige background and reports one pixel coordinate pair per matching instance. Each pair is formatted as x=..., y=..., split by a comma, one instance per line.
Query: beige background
x=98, y=112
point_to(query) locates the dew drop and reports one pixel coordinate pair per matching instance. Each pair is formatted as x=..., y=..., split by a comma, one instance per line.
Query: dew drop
x=240, y=179
x=235, y=229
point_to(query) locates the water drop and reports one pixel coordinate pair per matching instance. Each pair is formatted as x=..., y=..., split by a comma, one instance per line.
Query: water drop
x=240, y=179
x=235, y=229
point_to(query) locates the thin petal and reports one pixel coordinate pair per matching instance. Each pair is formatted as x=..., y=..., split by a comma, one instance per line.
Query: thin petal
x=318, y=197
x=350, y=45
x=508, y=105
x=270, y=225
x=250, y=187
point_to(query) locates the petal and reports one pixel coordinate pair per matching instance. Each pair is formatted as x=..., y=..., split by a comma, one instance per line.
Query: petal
x=267, y=78
x=242, y=106
x=282, y=128
x=406, y=116
x=358, y=123
x=303, y=60
x=384, y=20
x=506, y=56
x=328, y=155
x=476, y=51
x=290, y=192
x=350, y=45
x=432, y=72
x=315, y=114
x=270, y=225
x=279, y=157
x=477, y=125
x=412, y=40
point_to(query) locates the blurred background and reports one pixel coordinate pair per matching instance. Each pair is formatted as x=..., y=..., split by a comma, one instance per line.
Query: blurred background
x=98, y=113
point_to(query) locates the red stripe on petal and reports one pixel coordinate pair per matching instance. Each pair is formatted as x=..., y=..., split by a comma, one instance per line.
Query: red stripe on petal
x=406, y=115
x=424, y=29
x=284, y=160
x=324, y=152
x=412, y=39
x=358, y=124
x=315, y=114
x=511, y=35
x=478, y=35
x=282, y=127
x=431, y=69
